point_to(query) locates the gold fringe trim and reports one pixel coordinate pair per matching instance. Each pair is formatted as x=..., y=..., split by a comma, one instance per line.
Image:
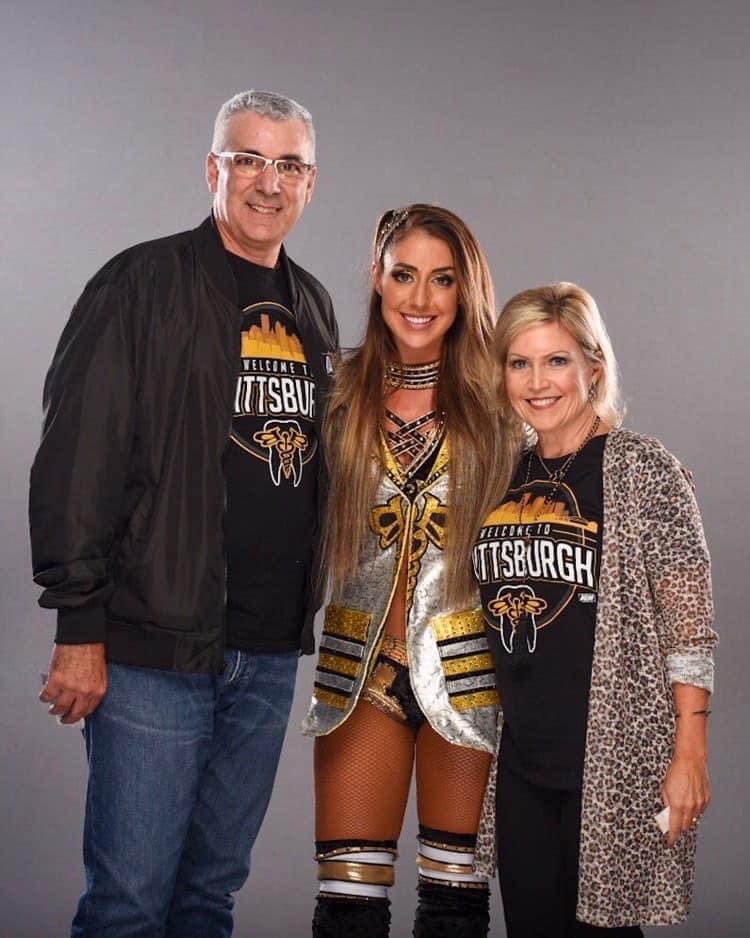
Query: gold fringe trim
x=395, y=649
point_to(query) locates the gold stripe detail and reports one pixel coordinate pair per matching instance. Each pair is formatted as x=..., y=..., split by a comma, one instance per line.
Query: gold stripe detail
x=347, y=623
x=348, y=871
x=339, y=665
x=434, y=843
x=482, y=698
x=397, y=471
x=363, y=848
x=451, y=882
x=468, y=663
x=441, y=461
x=427, y=864
x=392, y=467
x=459, y=624
x=331, y=698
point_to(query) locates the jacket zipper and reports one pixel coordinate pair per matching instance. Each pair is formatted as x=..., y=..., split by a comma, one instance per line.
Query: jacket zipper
x=237, y=369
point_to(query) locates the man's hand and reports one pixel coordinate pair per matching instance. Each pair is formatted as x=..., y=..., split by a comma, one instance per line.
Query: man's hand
x=77, y=681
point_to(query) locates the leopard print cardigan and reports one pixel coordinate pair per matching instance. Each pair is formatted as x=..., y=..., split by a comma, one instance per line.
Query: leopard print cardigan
x=653, y=629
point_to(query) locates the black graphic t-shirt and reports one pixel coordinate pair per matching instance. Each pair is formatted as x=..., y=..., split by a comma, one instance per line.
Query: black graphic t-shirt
x=271, y=470
x=538, y=572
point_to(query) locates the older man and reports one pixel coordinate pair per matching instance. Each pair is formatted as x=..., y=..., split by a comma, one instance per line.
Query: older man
x=175, y=504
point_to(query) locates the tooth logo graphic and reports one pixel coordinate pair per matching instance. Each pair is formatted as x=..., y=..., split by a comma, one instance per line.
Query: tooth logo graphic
x=512, y=606
x=285, y=443
x=527, y=544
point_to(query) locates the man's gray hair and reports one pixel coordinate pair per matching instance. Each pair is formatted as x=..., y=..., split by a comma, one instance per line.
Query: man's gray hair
x=266, y=103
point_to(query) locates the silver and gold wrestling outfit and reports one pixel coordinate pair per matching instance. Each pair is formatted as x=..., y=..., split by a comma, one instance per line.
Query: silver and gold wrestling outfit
x=449, y=663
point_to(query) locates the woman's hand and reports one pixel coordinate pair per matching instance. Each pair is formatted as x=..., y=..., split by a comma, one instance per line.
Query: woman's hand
x=686, y=788
x=687, y=791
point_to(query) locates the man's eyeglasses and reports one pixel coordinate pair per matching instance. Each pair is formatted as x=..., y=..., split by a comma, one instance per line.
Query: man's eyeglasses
x=253, y=164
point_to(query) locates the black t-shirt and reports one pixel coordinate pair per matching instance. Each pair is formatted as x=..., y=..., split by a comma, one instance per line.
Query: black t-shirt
x=271, y=470
x=538, y=572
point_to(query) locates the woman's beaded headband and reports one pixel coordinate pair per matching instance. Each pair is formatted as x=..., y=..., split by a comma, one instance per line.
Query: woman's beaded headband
x=398, y=218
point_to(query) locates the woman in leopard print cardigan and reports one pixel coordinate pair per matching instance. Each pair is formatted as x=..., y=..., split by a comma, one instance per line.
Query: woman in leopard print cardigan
x=652, y=665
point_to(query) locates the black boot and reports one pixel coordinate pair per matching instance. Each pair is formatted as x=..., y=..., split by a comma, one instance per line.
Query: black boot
x=351, y=918
x=452, y=912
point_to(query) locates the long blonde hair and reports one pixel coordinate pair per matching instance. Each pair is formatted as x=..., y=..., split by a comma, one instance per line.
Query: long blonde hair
x=576, y=311
x=481, y=458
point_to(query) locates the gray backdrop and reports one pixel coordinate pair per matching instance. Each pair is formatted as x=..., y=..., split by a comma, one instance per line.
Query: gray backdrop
x=598, y=141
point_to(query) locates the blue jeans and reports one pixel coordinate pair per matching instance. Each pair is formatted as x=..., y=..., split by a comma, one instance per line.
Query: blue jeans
x=181, y=768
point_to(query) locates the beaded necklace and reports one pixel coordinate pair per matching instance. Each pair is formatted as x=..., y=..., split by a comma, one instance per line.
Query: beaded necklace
x=557, y=476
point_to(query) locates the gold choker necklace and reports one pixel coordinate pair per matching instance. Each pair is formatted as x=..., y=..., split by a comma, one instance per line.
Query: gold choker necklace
x=412, y=377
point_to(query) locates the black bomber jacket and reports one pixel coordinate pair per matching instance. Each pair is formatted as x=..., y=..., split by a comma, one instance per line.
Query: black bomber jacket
x=127, y=489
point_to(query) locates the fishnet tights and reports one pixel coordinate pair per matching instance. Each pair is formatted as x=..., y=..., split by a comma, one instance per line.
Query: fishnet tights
x=363, y=771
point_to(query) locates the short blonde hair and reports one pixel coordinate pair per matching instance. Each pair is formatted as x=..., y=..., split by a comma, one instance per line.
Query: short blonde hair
x=576, y=311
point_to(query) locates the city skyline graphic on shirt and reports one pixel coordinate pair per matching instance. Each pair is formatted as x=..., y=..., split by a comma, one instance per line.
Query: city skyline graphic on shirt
x=274, y=406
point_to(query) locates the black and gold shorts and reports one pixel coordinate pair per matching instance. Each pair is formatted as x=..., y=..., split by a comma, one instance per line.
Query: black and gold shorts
x=389, y=688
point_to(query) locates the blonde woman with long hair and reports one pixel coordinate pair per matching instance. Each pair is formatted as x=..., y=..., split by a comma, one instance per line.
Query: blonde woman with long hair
x=404, y=676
